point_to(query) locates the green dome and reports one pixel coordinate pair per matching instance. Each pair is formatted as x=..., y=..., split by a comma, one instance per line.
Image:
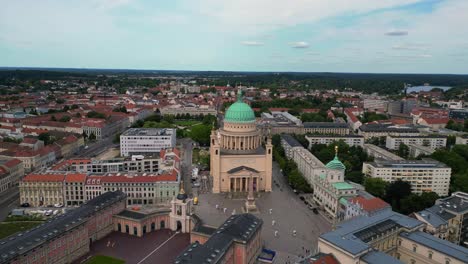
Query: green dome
x=336, y=164
x=239, y=112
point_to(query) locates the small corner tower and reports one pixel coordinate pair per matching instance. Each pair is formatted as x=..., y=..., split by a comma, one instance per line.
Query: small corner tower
x=181, y=211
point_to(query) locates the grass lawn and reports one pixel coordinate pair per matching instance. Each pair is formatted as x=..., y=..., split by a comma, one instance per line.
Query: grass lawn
x=187, y=123
x=9, y=228
x=100, y=259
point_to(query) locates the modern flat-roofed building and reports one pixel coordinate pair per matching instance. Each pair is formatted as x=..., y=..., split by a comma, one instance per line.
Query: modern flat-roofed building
x=425, y=175
x=462, y=140
x=289, y=144
x=146, y=141
x=309, y=165
x=388, y=237
x=380, y=153
x=328, y=128
x=351, y=140
x=448, y=218
x=383, y=130
x=416, y=150
x=433, y=142
x=458, y=113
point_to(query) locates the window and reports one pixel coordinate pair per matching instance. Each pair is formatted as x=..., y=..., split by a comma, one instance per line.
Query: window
x=413, y=261
x=414, y=248
x=447, y=261
x=430, y=255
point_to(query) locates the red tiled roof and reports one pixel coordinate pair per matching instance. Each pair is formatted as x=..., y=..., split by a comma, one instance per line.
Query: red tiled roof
x=433, y=121
x=44, y=178
x=137, y=179
x=75, y=177
x=370, y=205
x=325, y=259
x=12, y=163
x=29, y=140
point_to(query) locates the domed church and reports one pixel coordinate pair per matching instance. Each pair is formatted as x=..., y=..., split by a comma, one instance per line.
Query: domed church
x=239, y=153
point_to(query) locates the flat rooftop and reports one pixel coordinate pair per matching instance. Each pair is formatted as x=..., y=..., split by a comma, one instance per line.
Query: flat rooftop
x=149, y=132
x=324, y=125
x=291, y=141
x=425, y=163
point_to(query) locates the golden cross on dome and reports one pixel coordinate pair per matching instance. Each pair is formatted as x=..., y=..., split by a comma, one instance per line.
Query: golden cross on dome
x=336, y=150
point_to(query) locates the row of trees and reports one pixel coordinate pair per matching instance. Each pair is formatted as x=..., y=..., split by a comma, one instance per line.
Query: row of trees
x=398, y=195
x=295, y=178
x=456, y=159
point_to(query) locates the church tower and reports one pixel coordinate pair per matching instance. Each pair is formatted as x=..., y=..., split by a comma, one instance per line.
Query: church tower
x=181, y=212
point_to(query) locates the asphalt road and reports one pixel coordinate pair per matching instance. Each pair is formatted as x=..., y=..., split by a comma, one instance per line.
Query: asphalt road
x=186, y=163
x=9, y=201
x=95, y=148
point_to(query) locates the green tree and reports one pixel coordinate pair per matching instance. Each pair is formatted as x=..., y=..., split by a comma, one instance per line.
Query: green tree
x=396, y=191
x=375, y=186
x=355, y=176
x=201, y=134
x=92, y=136
x=403, y=151
x=47, y=138
x=64, y=119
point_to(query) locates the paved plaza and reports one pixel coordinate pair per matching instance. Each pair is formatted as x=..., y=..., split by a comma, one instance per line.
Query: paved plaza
x=288, y=212
x=161, y=246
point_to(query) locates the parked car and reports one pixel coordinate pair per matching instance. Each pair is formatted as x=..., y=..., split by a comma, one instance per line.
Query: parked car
x=25, y=205
x=315, y=210
x=196, y=184
x=302, y=198
x=58, y=205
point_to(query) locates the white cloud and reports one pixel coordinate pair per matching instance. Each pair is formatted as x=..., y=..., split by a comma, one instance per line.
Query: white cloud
x=299, y=45
x=396, y=33
x=267, y=15
x=409, y=46
x=252, y=43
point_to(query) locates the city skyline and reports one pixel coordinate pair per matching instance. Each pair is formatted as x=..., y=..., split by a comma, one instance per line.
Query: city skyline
x=394, y=36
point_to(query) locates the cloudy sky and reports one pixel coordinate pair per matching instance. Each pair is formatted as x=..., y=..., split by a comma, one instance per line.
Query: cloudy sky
x=417, y=36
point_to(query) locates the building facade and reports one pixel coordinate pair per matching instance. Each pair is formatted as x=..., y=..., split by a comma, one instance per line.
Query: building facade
x=146, y=141
x=351, y=140
x=433, y=142
x=237, y=154
x=425, y=175
x=388, y=237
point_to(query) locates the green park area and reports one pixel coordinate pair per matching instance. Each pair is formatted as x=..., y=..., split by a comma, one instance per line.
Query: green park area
x=100, y=259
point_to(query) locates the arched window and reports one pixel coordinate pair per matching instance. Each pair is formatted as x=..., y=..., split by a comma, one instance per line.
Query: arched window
x=429, y=254
x=216, y=152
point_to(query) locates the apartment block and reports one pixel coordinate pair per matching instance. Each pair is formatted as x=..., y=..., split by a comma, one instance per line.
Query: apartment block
x=433, y=142
x=351, y=140
x=425, y=175
x=146, y=141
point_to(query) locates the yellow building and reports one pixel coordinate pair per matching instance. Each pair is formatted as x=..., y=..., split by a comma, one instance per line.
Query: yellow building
x=239, y=151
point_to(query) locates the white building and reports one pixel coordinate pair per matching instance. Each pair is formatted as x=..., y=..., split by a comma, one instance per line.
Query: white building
x=380, y=153
x=351, y=140
x=141, y=141
x=433, y=142
x=462, y=140
x=425, y=175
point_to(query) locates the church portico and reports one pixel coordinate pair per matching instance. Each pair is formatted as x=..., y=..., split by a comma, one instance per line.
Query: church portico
x=241, y=184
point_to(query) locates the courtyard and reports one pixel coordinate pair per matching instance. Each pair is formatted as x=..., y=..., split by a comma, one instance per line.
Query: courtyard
x=288, y=214
x=161, y=246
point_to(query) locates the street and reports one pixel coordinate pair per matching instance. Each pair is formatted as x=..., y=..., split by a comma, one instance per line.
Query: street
x=8, y=201
x=186, y=147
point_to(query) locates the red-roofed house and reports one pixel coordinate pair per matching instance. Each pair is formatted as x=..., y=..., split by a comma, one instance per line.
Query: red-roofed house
x=434, y=123
x=70, y=145
x=32, y=143
x=363, y=204
x=353, y=121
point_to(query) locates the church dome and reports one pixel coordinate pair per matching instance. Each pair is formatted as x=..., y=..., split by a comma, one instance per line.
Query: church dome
x=336, y=164
x=239, y=112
